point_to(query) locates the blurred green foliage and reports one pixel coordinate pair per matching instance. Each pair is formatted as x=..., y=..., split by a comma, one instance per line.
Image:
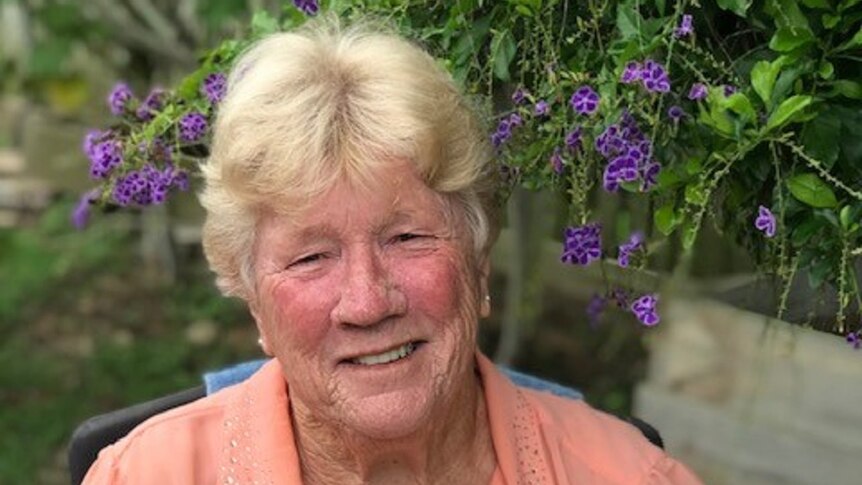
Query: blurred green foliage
x=82, y=333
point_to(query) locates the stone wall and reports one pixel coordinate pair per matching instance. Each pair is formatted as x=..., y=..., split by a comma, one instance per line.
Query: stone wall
x=745, y=399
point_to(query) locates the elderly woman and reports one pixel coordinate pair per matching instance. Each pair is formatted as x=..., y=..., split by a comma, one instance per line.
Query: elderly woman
x=349, y=200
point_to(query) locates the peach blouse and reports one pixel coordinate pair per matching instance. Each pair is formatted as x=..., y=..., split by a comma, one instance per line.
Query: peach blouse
x=242, y=435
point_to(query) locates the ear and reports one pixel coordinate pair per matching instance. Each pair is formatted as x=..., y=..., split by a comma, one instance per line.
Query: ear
x=484, y=290
x=263, y=341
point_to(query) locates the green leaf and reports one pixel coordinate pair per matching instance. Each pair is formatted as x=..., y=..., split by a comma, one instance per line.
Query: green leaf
x=660, y=5
x=822, y=137
x=739, y=104
x=503, y=50
x=854, y=42
x=786, y=39
x=627, y=22
x=263, y=24
x=524, y=10
x=847, y=4
x=830, y=21
x=825, y=69
x=694, y=194
x=844, y=217
x=739, y=7
x=665, y=219
x=789, y=107
x=763, y=76
x=846, y=88
x=810, y=189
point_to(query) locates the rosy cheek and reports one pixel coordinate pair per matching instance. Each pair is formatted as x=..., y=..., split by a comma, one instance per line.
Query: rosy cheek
x=301, y=311
x=430, y=284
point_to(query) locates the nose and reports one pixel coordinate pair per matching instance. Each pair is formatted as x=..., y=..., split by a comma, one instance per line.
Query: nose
x=367, y=293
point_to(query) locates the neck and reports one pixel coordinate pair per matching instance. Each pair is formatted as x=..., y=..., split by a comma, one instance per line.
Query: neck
x=453, y=447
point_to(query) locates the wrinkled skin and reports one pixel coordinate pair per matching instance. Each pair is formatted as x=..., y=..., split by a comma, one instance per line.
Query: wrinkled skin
x=363, y=271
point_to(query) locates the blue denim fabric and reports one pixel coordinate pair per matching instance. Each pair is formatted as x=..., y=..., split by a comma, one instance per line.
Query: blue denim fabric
x=218, y=380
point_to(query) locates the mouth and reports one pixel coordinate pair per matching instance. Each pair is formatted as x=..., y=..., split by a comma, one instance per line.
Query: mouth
x=393, y=355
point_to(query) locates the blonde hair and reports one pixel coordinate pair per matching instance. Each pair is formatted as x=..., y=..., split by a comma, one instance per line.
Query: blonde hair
x=309, y=107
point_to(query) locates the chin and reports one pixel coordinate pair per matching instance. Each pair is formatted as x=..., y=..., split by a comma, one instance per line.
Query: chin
x=391, y=415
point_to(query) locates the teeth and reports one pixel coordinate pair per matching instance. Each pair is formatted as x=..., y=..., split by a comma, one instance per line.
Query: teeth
x=386, y=357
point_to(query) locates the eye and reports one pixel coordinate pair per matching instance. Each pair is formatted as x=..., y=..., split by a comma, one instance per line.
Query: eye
x=406, y=237
x=305, y=260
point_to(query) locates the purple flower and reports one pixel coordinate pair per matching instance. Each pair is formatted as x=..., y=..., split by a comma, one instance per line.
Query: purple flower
x=649, y=175
x=584, y=101
x=542, y=108
x=557, y=161
x=635, y=243
x=81, y=213
x=697, y=91
x=675, y=113
x=308, y=7
x=91, y=139
x=631, y=73
x=855, y=339
x=151, y=105
x=519, y=96
x=621, y=169
x=644, y=309
x=595, y=308
x=654, y=77
x=728, y=90
x=685, y=28
x=582, y=245
x=119, y=98
x=214, y=87
x=147, y=186
x=192, y=126
x=765, y=221
x=573, y=140
x=105, y=156
x=504, y=129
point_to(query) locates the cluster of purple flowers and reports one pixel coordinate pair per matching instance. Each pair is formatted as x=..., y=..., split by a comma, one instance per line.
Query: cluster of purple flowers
x=193, y=126
x=584, y=100
x=308, y=7
x=634, y=244
x=765, y=221
x=149, y=185
x=652, y=75
x=644, y=309
x=582, y=244
x=104, y=153
x=119, y=98
x=213, y=87
x=504, y=129
x=629, y=152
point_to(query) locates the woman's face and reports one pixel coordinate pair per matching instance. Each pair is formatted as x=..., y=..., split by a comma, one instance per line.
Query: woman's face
x=370, y=301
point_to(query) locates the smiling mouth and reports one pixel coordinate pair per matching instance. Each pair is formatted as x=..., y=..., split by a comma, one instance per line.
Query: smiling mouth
x=387, y=357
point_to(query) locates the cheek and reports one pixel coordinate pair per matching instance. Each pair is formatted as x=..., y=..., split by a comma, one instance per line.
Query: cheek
x=298, y=317
x=436, y=286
